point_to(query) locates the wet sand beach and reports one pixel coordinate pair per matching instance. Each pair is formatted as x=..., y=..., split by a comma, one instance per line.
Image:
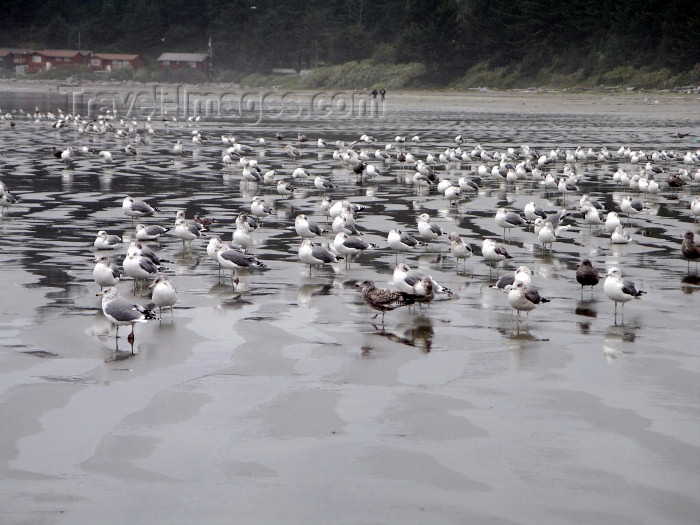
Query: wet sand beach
x=280, y=401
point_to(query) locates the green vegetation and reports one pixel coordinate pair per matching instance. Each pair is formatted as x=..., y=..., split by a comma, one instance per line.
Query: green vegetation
x=394, y=43
x=351, y=75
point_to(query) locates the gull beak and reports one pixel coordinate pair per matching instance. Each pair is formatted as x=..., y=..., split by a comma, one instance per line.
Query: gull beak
x=98, y=294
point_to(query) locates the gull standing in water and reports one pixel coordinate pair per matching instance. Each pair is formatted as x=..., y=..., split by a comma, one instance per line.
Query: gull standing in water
x=459, y=249
x=260, y=208
x=136, y=208
x=164, y=294
x=401, y=242
x=405, y=279
x=122, y=312
x=139, y=267
x=232, y=259
x=381, y=299
x=508, y=219
x=631, y=207
x=620, y=236
x=523, y=298
x=186, y=232
x=7, y=199
x=547, y=235
x=305, y=228
x=587, y=275
x=428, y=231
x=493, y=253
x=105, y=273
x=521, y=273
x=349, y=246
x=690, y=249
x=619, y=290
x=315, y=255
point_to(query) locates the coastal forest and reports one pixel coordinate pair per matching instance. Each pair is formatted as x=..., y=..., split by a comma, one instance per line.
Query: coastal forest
x=423, y=43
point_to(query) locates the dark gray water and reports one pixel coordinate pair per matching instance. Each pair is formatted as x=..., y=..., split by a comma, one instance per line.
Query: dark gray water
x=280, y=402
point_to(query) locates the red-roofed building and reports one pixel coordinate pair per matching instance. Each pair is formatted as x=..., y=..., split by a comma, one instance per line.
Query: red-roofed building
x=10, y=58
x=175, y=61
x=53, y=58
x=112, y=61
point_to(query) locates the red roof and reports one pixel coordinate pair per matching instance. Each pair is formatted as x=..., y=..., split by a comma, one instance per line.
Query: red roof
x=62, y=52
x=6, y=51
x=116, y=56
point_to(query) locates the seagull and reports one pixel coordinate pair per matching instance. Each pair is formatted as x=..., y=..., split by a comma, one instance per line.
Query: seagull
x=630, y=206
x=428, y=231
x=405, y=279
x=323, y=184
x=284, y=188
x=508, y=219
x=344, y=223
x=241, y=235
x=695, y=208
x=618, y=290
x=305, y=228
x=105, y=273
x=260, y=208
x=186, y=231
x=523, y=298
x=163, y=294
x=620, y=236
x=139, y=267
x=532, y=211
x=349, y=246
x=689, y=248
x=612, y=221
x=521, y=273
x=230, y=258
x=293, y=152
x=401, y=242
x=136, y=208
x=146, y=252
x=104, y=241
x=120, y=311
x=7, y=199
x=547, y=235
x=315, y=255
x=149, y=233
x=381, y=299
x=106, y=156
x=458, y=248
x=203, y=222
x=587, y=275
x=493, y=253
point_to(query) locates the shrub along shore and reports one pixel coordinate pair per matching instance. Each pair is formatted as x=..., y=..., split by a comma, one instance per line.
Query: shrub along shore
x=369, y=75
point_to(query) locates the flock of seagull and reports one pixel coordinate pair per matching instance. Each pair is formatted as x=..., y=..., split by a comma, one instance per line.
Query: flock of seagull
x=555, y=171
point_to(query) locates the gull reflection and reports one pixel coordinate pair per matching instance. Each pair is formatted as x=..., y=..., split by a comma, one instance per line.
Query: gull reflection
x=419, y=333
x=307, y=291
x=690, y=283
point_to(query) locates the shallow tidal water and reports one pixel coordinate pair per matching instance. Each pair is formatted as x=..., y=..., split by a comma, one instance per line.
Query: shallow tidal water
x=281, y=401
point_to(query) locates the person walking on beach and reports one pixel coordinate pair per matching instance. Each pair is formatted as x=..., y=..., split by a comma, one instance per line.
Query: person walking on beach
x=382, y=92
x=374, y=94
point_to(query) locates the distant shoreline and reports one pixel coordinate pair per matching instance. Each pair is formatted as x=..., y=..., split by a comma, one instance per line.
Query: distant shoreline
x=662, y=104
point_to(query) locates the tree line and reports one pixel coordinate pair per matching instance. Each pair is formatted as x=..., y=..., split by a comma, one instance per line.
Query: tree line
x=447, y=36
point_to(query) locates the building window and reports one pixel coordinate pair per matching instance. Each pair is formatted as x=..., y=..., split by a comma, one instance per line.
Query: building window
x=95, y=62
x=166, y=62
x=36, y=58
x=192, y=64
